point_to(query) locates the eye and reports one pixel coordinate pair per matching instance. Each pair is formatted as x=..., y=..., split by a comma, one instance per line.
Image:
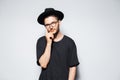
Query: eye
x=53, y=23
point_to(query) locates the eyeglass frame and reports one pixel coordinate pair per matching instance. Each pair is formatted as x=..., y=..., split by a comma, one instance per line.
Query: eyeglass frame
x=51, y=24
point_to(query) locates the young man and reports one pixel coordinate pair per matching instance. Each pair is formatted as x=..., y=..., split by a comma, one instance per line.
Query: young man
x=56, y=52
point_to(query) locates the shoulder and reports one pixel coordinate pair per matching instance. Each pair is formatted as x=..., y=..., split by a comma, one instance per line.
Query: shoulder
x=41, y=39
x=69, y=40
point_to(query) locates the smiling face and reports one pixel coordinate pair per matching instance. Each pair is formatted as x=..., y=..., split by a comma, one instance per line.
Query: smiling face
x=52, y=24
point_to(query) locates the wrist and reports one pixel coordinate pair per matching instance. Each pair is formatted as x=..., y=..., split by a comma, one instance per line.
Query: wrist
x=49, y=44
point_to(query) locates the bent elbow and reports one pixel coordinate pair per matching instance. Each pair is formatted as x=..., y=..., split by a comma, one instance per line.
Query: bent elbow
x=43, y=66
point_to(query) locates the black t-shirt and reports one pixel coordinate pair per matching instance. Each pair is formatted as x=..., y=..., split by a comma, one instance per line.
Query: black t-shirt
x=63, y=56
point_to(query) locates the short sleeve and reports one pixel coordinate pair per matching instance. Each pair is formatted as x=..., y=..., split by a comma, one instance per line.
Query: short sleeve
x=73, y=58
x=40, y=47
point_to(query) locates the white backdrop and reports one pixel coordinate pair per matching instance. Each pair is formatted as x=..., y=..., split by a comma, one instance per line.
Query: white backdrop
x=93, y=24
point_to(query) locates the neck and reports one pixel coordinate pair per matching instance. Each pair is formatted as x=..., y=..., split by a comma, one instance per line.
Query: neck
x=58, y=37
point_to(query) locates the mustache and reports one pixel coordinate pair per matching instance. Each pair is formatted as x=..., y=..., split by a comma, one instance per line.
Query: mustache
x=51, y=29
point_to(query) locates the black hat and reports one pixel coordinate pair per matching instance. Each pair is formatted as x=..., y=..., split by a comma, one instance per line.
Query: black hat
x=49, y=12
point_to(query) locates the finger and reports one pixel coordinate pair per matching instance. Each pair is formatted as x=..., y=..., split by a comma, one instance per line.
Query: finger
x=51, y=35
x=51, y=38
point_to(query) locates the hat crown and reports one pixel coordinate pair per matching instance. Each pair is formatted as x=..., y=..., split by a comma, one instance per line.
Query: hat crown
x=48, y=12
x=49, y=9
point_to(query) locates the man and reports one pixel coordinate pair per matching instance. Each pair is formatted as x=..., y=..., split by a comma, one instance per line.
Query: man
x=56, y=52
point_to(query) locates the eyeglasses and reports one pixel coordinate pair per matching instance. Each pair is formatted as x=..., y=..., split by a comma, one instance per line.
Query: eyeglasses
x=51, y=24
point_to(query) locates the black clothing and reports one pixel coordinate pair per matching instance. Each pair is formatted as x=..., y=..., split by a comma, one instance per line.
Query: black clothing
x=63, y=56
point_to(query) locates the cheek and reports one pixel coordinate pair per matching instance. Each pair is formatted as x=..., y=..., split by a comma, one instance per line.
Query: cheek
x=57, y=27
x=48, y=29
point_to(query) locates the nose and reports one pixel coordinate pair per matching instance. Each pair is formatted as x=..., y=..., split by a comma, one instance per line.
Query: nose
x=50, y=26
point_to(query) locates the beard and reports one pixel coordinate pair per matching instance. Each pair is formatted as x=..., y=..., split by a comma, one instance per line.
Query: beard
x=55, y=34
x=58, y=30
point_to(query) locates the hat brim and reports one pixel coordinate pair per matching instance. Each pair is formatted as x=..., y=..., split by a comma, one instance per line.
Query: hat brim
x=56, y=13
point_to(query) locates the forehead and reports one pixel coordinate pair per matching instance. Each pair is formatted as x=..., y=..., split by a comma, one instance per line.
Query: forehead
x=50, y=19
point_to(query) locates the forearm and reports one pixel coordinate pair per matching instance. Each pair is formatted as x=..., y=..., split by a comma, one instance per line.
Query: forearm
x=44, y=59
x=72, y=73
